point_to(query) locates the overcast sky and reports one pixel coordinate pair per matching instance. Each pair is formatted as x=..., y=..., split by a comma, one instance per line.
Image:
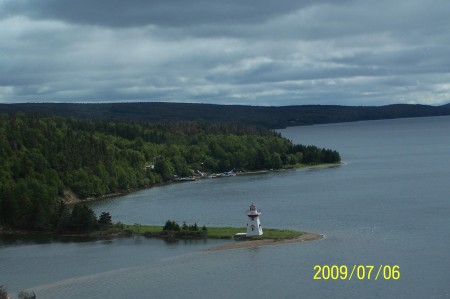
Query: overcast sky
x=257, y=52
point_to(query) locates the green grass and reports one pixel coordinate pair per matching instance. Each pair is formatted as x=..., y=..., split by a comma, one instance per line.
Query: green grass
x=138, y=229
x=224, y=232
x=269, y=233
x=216, y=232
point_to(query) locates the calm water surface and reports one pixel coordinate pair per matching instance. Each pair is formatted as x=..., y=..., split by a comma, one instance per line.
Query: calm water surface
x=388, y=204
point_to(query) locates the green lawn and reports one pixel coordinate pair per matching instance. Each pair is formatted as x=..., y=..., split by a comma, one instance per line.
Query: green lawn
x=217, y=232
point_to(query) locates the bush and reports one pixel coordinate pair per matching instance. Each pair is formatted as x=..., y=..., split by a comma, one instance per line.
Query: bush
x=3, y=293
x=171, y=226
x=105, y=219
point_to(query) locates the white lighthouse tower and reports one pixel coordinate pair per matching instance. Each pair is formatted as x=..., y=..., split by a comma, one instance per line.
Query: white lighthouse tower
x=253, y=225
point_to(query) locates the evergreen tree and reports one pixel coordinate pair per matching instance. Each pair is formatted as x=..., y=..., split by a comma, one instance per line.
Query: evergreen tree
x=105, y=219
x=42, y=158
x=83, y=218
x=184, y=226
x=171, y=225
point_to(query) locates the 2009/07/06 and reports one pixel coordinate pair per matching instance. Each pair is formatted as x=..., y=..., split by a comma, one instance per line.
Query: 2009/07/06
x=360, y=272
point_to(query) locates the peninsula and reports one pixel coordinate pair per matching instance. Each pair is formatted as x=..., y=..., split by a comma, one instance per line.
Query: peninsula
x=270, y=237
x=44, y=159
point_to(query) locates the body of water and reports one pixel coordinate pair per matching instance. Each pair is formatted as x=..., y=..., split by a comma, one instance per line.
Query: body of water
x=387, y=205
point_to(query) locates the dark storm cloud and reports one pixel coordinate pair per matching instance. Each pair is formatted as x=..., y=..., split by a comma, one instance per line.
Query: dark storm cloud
x=118, y=13
x=355, y=52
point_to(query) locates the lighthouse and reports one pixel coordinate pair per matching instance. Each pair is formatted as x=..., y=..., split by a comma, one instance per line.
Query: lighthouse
x=254, y=227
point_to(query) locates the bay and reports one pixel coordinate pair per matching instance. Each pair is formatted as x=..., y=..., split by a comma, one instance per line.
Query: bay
x=388, y=204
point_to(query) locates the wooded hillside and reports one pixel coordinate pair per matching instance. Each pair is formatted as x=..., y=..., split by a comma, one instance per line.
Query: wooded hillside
x=43, y=156
x=269, y=117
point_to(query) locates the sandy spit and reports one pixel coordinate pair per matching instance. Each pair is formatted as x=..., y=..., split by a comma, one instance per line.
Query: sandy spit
x=265, y=242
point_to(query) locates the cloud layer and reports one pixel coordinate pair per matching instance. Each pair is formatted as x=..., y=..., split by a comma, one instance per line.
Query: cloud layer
x=353, y=52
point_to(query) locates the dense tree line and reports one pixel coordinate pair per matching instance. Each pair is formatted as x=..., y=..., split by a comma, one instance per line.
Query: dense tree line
x=269, y=117
x=41, y=157
x=173, y=229
x=80, y=218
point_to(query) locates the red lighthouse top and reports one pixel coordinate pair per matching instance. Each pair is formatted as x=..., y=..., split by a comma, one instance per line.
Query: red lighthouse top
x=253, y=211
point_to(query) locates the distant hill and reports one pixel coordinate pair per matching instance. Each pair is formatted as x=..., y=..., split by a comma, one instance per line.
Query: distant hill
x=269, y=117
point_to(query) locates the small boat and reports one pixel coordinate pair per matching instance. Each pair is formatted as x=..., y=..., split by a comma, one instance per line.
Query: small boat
x=229, y=173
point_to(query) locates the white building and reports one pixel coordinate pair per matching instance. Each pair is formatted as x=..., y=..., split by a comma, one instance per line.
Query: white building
x=254, y=227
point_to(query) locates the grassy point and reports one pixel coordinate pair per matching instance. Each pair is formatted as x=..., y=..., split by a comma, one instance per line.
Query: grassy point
x=215, y=232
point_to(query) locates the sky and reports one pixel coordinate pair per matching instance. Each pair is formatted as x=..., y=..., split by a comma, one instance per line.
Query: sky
x=253, y=52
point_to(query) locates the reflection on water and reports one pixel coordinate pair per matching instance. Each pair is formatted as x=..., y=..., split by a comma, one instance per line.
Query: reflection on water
x=387, y=205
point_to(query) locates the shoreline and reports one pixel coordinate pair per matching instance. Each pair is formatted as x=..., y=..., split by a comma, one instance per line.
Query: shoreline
x=272, y=237
x=71, y=198
x=266, y=242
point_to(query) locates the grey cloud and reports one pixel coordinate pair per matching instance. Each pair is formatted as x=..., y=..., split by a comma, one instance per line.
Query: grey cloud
x=118, y=13
x=247, y=52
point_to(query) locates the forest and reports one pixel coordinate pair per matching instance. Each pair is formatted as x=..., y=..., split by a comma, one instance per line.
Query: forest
x=271, y=117
x=42, y=157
